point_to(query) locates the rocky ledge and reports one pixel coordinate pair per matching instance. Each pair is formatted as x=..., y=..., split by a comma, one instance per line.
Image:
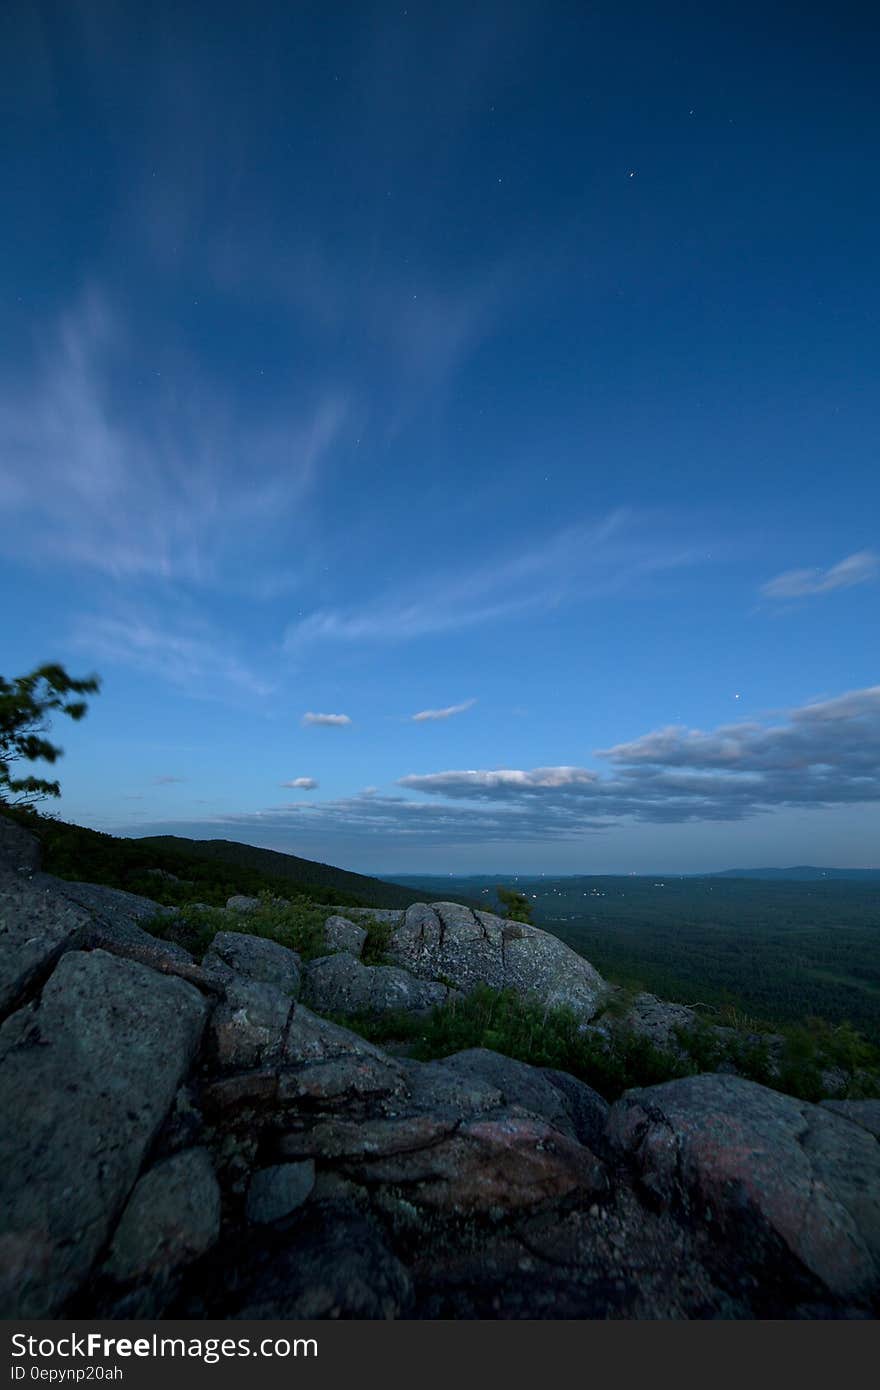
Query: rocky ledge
x=193, y=1139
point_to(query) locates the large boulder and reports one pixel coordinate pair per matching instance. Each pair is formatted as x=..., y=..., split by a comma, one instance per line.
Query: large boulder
x=449, y=942
x=89, y=1075
x=340, y=934
x=172, y=1218
x=276, y=1191
x=248, y=1026
x=322, y=1062
x=792, y=1189
x=502, y=1162
x=341, y=984
x=568, y=1104
x=318, y=1062
x=312, y=1039
x=42, y=916
x=125, y=938
x=36, y=928
x=235, y=953
x=120, y=908
x=657, y=1020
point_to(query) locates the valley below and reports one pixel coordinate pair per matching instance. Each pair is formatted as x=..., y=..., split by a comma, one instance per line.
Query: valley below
x=780, y=951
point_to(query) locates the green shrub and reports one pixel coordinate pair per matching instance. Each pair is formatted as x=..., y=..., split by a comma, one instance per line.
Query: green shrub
x=298, y=924
x=503, y=1021
x=514, y=906
x=379, y=934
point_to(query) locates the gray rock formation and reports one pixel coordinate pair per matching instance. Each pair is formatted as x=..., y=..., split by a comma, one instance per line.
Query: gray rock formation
x=860, y=1112
x=171, y=1218
x=277, y=1191
x=111, y=905
x=657, y=1019
x=255, y=957
x=35, y=930
x=337, y=1264
x=793, y=1187
x=571, y=1106
x=343, y=985
x=340, y=934
x=248, y=1026
x=89, y=1073
x=191, y=1141
x=462, y=948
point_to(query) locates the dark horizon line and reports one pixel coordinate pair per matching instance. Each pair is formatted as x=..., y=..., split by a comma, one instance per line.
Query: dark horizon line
x=642, y=873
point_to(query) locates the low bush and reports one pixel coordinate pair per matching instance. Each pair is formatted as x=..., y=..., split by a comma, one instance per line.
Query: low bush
x=546, y=1037
x=297, y=923
x=379, y=934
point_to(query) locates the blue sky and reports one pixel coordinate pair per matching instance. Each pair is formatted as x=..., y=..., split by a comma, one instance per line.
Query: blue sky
x=499, y=379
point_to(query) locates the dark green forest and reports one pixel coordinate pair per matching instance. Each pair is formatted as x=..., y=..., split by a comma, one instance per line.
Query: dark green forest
x=208, y=871
x=778, y=950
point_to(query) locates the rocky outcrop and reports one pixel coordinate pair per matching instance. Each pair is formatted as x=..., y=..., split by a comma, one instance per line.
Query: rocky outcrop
x=35, y=931
x=233, y=953
x=275, y=1192
x=462, y=948
x=195, y=1140
x=89, y=1071
x=341, y=934
x=172, y=1217
x=793, y=1188
x=657, y=1020
x=860, y=1112
x=341, y=984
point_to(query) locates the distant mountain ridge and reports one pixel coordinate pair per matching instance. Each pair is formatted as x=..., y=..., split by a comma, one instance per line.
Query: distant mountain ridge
x=802, y=873
x=306, y=873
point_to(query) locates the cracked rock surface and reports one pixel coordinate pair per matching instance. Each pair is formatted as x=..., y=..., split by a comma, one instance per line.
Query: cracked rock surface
x=449, y=942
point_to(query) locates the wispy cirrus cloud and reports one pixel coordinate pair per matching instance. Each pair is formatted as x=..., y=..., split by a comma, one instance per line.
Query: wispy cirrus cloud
x=167, y=781
x=329, y=721
x=590, y=560
x=860, y=568
x=425, y=715
x=306, y=784
x=134, y=474
x=187, y=653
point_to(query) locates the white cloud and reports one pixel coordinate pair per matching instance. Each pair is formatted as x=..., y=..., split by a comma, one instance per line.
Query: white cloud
x=167, y=781
x=327, y=720
x=859, y=568
x=447, y=713
x=484, y=783
x=306, y=784
x=822, y=755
